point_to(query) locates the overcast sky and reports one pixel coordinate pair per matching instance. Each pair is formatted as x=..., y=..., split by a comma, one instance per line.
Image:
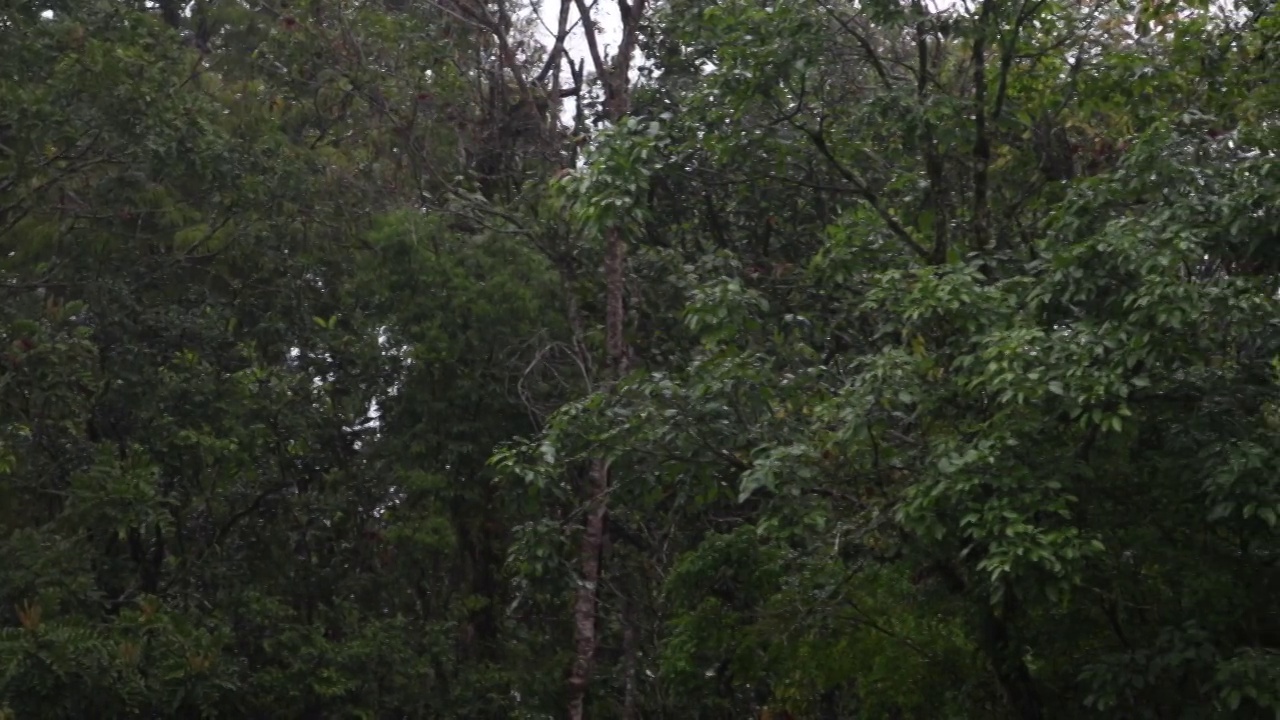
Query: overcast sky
x=608, y=33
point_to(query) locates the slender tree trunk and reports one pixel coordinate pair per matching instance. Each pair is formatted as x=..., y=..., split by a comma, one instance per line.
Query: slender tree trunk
x=615, y=260
x=586, y=602
x=630, y=661
x=615, y=76
x=1011, y=672
x=981, y=142
x=584, y=605
x=171, y=12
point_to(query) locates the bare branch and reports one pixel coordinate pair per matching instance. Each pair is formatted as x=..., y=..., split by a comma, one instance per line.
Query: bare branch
x=557, y=48
x=593, y=46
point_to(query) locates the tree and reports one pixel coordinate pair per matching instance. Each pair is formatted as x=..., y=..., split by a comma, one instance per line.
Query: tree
x=843, y=359
x=936, y=272
x=217, y=289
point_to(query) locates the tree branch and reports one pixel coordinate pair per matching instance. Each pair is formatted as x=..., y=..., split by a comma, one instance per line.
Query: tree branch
x=864, y=190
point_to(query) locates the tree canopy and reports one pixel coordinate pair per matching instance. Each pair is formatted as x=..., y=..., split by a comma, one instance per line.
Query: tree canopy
x=806, y=359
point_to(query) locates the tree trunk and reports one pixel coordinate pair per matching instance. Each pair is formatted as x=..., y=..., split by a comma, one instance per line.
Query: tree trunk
x=616, y=79
x=1012, y=675
x=584, y=605
x=593, y=538
x=171, y=13
x=630, y=662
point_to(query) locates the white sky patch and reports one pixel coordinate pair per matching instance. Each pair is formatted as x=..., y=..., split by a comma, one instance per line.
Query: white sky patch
x=608, y=27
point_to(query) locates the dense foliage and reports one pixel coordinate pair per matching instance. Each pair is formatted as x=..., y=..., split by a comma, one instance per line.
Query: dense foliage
x=819, y=359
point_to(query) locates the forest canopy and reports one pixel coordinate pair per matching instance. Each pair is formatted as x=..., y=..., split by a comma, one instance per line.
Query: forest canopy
x=717, y=359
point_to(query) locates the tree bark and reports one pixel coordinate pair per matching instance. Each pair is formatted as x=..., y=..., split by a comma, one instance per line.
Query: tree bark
x=981, y=142
x=630, y=662
x=171, y=13
x=1011, y=672
x=585, y=603
x=615, y=76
